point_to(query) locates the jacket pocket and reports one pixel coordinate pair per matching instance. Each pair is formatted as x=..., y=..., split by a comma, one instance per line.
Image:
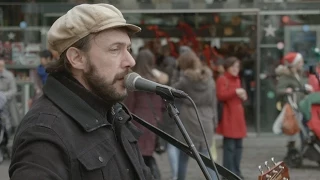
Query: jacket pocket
x=98, y=162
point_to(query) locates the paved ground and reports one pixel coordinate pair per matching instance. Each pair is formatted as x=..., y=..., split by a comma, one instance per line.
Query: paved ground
x=256, y=151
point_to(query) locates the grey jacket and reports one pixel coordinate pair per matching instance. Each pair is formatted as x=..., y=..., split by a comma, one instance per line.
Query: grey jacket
x=8, y=84
x=200, y=86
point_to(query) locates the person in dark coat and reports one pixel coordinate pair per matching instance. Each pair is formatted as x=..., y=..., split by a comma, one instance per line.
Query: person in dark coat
x=148, y=106
x=78, y=130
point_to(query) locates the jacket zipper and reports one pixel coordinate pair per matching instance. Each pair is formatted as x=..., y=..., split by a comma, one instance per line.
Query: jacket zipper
x=112, y=125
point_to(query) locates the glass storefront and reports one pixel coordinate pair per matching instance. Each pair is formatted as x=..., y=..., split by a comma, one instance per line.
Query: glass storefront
x=259, y=34
x=284, y=32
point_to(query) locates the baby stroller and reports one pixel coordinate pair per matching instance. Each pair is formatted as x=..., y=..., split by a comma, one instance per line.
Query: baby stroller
x=310, y=108
x=307, y=117
x=3, y=131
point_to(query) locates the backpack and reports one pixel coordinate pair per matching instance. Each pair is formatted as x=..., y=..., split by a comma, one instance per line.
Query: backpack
x=220, y=105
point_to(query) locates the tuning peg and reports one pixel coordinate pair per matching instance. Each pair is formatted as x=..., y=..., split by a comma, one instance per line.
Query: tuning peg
x=266, y=164
x=260, y=169
x=268, y=176
x=272, y=159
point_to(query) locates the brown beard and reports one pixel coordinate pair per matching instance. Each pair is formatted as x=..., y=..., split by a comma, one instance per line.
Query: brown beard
x=101, y=88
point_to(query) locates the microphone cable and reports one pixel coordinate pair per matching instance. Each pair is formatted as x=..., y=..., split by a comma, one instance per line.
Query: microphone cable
x=205, y=137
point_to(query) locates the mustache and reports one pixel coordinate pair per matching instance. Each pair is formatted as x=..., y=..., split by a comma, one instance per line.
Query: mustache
x=121, y=75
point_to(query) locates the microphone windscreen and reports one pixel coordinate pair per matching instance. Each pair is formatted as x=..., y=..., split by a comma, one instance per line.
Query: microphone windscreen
x=130, y=80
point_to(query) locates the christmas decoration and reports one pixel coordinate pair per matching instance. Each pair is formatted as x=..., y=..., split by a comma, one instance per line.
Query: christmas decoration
x=228, y=31
x=270, y=31
x=189, y=35
x=11, y=36
x=280, y=45
x=160, y=33
x=316, y=51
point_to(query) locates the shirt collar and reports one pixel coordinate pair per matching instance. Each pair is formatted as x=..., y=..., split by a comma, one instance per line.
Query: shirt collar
x=74, y=104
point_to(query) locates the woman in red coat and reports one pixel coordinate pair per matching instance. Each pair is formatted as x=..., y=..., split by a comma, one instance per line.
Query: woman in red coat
x=232, y=126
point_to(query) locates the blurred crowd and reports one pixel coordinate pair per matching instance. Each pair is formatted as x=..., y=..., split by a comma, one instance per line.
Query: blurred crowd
x=217, y=93
x=215, y=88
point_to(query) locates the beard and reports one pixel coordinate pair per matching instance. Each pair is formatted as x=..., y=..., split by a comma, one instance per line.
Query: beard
x=100, y=87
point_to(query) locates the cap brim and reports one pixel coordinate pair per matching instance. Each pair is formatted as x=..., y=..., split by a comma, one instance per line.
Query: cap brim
x=131, y=28
x=134, y=29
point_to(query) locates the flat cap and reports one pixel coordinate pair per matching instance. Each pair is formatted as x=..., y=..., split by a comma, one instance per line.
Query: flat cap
x=82, y=20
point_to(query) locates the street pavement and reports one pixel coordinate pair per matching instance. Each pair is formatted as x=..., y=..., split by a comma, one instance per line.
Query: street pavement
x=256, y=151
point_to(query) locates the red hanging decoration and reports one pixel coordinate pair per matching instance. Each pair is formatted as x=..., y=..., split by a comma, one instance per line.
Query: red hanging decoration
x=160, y=33
x=189, y=35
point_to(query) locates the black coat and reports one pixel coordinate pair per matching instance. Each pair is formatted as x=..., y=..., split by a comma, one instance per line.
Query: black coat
x=63, y=138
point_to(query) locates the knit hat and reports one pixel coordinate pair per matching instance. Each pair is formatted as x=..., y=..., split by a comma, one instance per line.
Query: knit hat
x=184, y=49
x=292, y=58
x=82, y=20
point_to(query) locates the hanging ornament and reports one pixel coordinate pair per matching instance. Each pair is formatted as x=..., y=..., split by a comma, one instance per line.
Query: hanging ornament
x=23, y=25
x=11, y=36
x=236, y=20
x=280, y=45
x=270, y=31
x=216, y=18
x=306, y=28
x=270, y=94
x=228, y=31
x=285, y=19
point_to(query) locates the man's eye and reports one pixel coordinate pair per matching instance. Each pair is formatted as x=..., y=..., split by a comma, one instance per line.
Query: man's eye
x=115, y=49
x=129, y=50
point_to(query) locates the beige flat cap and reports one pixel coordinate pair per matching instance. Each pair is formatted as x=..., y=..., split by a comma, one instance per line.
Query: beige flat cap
x=82, y=20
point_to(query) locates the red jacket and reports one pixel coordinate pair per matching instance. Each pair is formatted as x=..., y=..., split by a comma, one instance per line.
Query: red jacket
x=232, y=124
x=313, y=81
x=314, y=123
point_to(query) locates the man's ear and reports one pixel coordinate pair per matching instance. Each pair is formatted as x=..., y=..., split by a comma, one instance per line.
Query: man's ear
x=76, y=58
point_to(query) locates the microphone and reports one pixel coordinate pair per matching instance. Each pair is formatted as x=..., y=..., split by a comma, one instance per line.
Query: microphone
x=134, y=82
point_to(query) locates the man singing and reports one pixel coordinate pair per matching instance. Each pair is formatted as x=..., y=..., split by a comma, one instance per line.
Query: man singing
x=77, y=130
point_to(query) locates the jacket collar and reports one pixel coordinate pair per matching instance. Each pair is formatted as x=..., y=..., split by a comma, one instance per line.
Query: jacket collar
x=230, y=76
x=74, y=105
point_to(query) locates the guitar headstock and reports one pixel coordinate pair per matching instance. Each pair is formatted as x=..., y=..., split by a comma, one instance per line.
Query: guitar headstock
x=279, y=171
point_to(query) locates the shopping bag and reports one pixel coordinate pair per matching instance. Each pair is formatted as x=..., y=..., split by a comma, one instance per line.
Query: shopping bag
x=290, y=124
x=213, y=149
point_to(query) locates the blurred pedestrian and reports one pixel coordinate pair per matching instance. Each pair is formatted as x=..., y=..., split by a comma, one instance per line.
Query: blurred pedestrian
x=197, y=81
x=292, y=78
x=148, y=106
x=45, y=58
x=232, y=125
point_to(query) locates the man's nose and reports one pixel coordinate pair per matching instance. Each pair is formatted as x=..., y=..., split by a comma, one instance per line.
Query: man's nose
x=129, y=60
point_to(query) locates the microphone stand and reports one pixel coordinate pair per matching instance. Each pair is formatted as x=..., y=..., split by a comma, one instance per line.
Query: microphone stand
x=174, y=114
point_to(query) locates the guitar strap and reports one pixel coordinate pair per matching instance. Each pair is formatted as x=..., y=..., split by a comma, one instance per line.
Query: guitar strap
x=183, y=147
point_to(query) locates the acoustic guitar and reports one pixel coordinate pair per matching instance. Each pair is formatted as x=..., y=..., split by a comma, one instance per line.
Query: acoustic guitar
x=279, y=171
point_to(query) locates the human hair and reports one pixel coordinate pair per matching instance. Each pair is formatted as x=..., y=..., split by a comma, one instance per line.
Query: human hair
x=63, y=64
x=145, y=62
x=230, y=61
x=2, y=58
x=189, y=60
